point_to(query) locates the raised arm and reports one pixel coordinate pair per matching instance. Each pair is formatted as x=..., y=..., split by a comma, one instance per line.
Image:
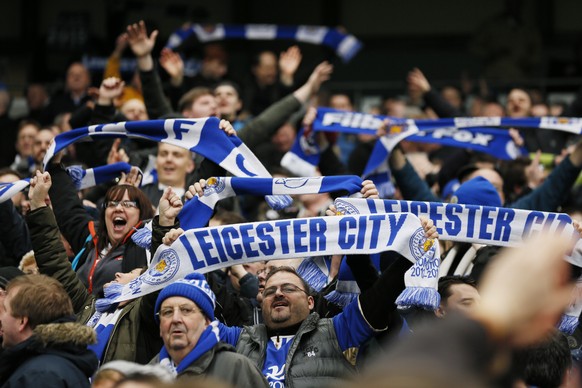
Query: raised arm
x=555, y=189
x=49, y=251
x=72, y=218
x=260, y=129
x=153, y=93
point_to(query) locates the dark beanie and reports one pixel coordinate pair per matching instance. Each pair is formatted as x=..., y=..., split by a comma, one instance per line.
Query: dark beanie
x=7, y=274
x=477, y=191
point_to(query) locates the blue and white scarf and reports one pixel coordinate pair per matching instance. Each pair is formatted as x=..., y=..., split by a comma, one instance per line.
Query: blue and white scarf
x=202, y=136
x=481, y=225
x=315, y=271
x=304, y=154
x=199, y=210
x=488, y=225
x=344, y=45
x=84, y=179
x=207, y=249
x=354, y=122
x=208, y=339
x=10, y=189
x=105, y=318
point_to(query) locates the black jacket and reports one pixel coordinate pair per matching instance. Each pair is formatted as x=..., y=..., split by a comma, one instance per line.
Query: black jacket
x=55, y=356
x=74, y=223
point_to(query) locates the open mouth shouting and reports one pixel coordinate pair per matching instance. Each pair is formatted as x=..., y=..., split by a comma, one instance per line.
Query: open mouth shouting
x=119, y=224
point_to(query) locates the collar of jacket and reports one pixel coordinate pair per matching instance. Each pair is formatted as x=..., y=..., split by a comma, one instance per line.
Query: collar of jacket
x=203, y=362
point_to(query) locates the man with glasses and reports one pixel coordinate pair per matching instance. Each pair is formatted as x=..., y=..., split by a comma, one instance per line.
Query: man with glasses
x=192, y=346
x=295, y=347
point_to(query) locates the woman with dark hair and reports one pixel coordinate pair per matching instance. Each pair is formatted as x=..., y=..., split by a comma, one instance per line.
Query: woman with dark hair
x=125, y=330
x=102, y=249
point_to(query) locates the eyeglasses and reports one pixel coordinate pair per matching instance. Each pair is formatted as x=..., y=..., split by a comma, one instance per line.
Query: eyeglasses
x=168, y=312
x=286, y=288
x=125, y=204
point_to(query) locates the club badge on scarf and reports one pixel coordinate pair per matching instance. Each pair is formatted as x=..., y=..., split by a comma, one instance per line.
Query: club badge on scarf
x=421, y=279
x=344, y=45
x=202, y=136
x=207, y=249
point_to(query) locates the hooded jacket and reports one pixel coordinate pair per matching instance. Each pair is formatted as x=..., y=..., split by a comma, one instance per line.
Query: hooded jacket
x=136, y=334
x=56, y=355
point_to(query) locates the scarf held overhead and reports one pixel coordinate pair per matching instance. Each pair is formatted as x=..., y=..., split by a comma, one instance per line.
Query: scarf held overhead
x=469, y=223
x=202, y=136
x=344, y=45
x=207, y=249
x=82, y=179
x=198, y=211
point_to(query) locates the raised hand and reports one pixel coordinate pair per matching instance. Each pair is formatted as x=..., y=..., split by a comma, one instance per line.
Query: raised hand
x=169, y=207
x=195, y=189
x=369, y=190
x=142, y=45
x=227, y=127
x=117, y=155
x=132, y=178
x=430, y=231
x=288, y=63
x=110, y=89
x=172, y=236
x=417, y=81
x=173, y=64
x=39, y=188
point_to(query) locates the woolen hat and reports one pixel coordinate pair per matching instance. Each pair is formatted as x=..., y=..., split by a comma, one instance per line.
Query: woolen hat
x=193, y=287
x=477, y=191
x=7, y=274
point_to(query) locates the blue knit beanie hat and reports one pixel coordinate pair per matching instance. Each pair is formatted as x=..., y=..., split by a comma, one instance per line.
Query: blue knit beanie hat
x=193, y=287
x=477, y=191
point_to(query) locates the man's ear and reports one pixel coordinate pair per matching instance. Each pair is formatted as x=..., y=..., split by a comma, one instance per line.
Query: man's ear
x=440, y=312
x=311, y=302
x=23, y=324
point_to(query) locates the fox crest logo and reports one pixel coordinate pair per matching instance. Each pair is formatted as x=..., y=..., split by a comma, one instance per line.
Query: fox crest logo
x=214, y=185
x=165, y=269
x=275, y=373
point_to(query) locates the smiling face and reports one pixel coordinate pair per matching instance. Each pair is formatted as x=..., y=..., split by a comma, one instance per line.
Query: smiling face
x=284, y=309
x=173, y=163
x=180, y=332
x=119, y=220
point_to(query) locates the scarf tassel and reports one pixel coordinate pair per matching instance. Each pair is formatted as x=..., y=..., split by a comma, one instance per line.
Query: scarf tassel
x=568, y=324
x=341, y=299
x=142, y=238
x=312, y=274
x=425, y=297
